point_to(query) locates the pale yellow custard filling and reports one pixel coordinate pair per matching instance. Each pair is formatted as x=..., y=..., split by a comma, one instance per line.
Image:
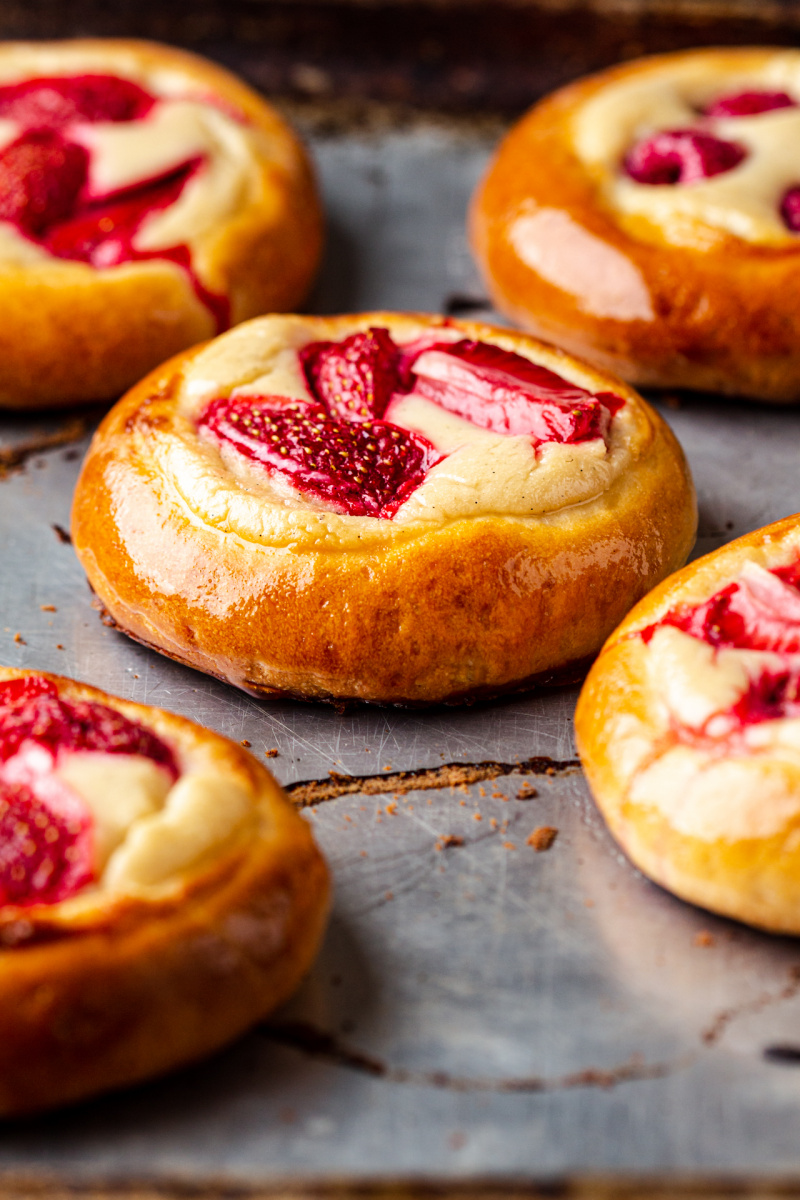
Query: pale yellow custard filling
x=483, y=474
x=743, y=202
x=183, y=125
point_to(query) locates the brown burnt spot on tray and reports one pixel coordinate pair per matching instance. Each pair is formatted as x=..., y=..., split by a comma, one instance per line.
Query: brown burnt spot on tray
x=448, y=775
x=14, y=457
x=320, y=1044
x=712, y=1034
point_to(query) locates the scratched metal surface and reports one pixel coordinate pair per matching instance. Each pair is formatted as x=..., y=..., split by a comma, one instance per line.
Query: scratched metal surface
x=478, y=1009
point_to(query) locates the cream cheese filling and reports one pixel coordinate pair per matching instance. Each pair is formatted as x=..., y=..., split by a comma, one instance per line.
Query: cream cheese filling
x=483, y=473
x=744, y=201
x=753, y=790
x=180, y=127
x=147, y=831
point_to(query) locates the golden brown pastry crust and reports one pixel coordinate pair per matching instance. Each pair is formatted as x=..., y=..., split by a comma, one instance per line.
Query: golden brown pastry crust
x=725, y=318
x=754, y=879
x=470, y=608
x=70, y=333
x=105, y=994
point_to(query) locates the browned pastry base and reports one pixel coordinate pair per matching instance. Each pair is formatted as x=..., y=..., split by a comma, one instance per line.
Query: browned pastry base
x=468, y=609
x=723, y=314
x=749, y=870
x=124, y=987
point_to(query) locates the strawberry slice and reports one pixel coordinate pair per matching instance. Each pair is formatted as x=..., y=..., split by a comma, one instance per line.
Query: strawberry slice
x=103, y=233
x=41, y=176
x=365, y=468
x=502, y=391
x=749, y=104
x=355, y=378
x=759, y=612
x=45, y=846
x=681, y=156
x=52, y=102
x=31, y=711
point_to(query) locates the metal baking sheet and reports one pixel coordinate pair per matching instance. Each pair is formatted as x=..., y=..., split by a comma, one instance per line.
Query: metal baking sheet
x=479, y=1009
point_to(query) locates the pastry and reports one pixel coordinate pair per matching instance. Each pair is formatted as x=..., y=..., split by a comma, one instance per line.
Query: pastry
x=689, y=730
x=648, y=217
x=399, y=509
x=148, y=200
x=158, y=894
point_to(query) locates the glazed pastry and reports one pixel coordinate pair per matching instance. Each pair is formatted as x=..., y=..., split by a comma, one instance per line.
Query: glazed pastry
x=399, y=509
x=158, y=894
x=649, y=218
x=689, y=730
x=148, y=200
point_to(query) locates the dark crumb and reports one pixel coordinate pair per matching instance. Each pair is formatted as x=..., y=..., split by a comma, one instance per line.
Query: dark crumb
x=60, y=647
x=71, y=455
x=244, y=742
x=542, y=838
x=449, y=839
x=704, y=938
x=388, y=896
x=527, y=792
x=48, y=608
x=19, y=639
x=783, y=1054
x=62, y=534
x=273, y=753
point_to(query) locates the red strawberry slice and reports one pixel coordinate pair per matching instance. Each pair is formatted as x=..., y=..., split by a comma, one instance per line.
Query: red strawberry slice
x=760, y=612
x=31, y=711
x=102, y=234
x=45, y=846
x=41, y=176
x=364, y=468
x=507, y=393
x=749, y=104
x=355, y=378
x=681, y=156
x=790, y=209
x=52, y=102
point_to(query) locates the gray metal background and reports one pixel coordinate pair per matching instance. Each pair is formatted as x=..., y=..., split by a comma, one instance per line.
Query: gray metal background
x=476, y=1010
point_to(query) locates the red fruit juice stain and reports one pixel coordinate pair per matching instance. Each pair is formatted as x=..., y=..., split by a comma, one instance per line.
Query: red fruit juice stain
x=342, y=447
x=760, y=612
x=749, y=104
x=44, y=177
x=46, y=848
x=681, y=156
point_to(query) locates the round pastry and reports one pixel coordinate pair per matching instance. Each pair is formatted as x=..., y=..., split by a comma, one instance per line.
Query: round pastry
x=648, y=217
x=158, y=894
x=148, y=200
x=399, y=509
x=689, y=730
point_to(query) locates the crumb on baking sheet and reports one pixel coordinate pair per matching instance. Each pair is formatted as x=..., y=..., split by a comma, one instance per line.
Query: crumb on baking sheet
x=704, y=938
x=19, y=639
x=273, y=753
x=509, y=845
x=244, y=742
x=448, y=839
x=542, y=838
x=48, y=608
x=527, y=792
